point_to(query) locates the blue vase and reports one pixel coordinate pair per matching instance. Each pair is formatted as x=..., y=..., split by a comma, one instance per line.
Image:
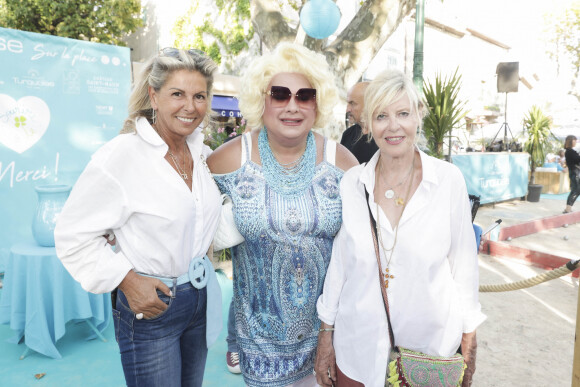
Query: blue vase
x=51, y=199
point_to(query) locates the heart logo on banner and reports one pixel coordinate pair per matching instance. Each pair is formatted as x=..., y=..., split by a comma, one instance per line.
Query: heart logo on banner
x=22, y=122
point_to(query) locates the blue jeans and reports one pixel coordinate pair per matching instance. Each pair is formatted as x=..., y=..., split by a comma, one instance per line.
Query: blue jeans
x=168, y=350
x=231, y=337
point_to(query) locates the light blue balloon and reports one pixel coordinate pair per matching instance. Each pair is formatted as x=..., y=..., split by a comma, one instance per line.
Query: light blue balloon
x=320, y=18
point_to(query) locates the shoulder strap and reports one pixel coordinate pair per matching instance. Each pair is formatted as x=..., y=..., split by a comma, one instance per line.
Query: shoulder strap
x=246, y=147
x=383, y=291
x=330, y=151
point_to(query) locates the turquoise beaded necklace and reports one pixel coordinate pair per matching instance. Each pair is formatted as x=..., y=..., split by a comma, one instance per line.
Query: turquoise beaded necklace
x=291, y=179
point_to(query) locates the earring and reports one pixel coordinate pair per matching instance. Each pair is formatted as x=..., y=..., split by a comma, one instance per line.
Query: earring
x=154, y=116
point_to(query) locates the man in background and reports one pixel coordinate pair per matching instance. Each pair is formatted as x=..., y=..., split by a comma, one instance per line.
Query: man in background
x=354, y=138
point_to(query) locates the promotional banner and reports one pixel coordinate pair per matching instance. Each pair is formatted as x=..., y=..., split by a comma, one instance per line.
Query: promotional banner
x=60, y=99
x=494, y=176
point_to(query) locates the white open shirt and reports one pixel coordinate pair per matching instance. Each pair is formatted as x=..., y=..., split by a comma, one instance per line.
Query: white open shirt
x=128, y=187
x=433, y=298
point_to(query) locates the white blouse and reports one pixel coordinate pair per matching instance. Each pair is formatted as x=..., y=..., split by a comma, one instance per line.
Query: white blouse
x=433, y=297
x=128, y=187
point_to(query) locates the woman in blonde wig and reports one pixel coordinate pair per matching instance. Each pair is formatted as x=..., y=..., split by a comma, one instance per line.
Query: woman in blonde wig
x=283, y=180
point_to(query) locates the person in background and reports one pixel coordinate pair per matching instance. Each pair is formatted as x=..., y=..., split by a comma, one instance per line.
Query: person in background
x=573, y=163
x=427, y=250
x=283, y=179
x=151, y=191
x=552, y=162
x=354, y=138
x=562, y=159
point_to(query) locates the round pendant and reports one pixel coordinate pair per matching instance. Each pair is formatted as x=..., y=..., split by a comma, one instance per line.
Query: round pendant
x=389, y=194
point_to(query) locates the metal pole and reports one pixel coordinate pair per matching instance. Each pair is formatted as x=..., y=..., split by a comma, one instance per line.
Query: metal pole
x=418, y=55
x=505, y=128
x=576, y=362
x=449, y=153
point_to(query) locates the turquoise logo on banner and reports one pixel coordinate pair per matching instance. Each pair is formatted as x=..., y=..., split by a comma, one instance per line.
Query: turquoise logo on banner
x=60, y=100
x=494, y=176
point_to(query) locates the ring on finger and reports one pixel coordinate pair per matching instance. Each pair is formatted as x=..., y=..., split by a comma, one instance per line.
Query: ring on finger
x=139, y=316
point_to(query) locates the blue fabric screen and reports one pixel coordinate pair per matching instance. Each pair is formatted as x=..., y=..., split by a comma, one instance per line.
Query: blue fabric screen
x=60, y=99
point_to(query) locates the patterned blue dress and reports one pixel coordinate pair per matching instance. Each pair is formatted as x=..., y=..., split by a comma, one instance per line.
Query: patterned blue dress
x=279, y=270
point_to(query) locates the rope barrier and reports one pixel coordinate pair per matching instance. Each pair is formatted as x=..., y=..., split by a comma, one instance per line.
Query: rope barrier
x=529, y=282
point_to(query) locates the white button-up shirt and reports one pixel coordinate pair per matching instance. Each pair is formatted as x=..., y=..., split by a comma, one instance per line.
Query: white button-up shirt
x=433, y=297
x=129, y=188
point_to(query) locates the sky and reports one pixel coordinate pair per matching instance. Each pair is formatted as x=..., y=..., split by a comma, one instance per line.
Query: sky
x=518, y=23
x=521, y=25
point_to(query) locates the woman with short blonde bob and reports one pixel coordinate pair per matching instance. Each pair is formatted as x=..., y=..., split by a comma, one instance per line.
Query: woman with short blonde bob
x=426, y=246
x=283, y=180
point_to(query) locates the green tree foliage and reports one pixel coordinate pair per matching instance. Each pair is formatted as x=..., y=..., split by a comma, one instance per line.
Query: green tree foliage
x=102, y=21
x=262, y=24
x=564, y=32
x=224, y=28
x=445, y=110
x=537, y=130
x=224, y=42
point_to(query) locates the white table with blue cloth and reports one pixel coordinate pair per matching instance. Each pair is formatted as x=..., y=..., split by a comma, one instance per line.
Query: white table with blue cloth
x=40, y=297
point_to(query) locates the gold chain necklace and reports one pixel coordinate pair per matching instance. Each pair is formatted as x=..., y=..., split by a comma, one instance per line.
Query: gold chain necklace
x=390, y=193
x=387, y=275
x=182, y=172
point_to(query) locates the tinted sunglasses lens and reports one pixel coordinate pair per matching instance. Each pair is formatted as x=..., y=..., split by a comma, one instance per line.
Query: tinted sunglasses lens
x=174, y=52
x=280, y=93
x=306, y=95
x=281, y=96
x=170, y=51
x=195, y=51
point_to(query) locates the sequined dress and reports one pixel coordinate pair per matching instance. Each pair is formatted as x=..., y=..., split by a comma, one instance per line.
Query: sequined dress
x=279, y=270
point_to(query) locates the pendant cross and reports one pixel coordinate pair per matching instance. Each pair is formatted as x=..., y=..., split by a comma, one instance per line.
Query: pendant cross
x=387, y=277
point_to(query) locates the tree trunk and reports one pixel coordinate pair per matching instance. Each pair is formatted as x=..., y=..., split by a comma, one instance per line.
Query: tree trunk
x=354, y=48
x=269, y=23
x=439, y=149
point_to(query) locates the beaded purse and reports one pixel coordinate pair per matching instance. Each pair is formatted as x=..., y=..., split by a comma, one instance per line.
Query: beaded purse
x=408, y=368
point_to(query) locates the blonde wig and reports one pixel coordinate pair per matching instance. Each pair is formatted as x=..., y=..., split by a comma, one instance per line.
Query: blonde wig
x=287, y=58
x=386, y=88
x=155, y=74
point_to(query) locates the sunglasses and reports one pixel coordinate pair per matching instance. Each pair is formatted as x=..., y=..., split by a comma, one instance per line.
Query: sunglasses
x=280, y=96
x=174, y=52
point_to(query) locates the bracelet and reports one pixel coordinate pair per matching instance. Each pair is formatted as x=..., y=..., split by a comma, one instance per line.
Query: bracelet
x=326, y=330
